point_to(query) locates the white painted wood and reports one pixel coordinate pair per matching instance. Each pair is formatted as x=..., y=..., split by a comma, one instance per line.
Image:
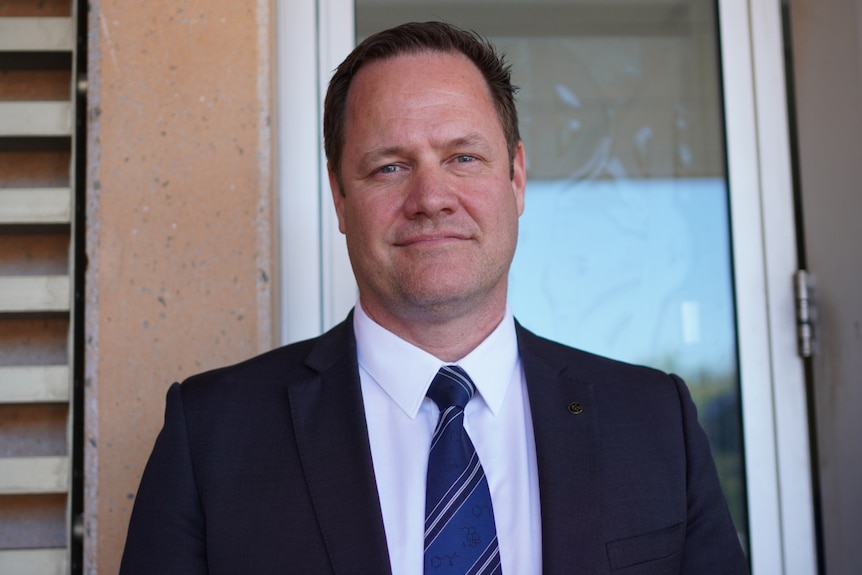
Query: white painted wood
x=40, y=294
x=337, y=39
x=36, y=119
x=33, y=561
x=35, y=205
x=300, y=150
x=27, y=475
x=318, y=288
x=773, y=389
x=34, y=384
x=765, y=546
x=795, y=490
x=37, y=34
x=26, y=294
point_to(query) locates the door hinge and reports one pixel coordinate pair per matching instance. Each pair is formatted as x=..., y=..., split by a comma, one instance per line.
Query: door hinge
x=805, y=312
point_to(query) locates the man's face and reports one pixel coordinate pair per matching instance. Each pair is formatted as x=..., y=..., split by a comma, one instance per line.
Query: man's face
x=426, y=195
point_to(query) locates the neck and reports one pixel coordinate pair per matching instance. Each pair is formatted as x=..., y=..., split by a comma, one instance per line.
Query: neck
x=448, y=336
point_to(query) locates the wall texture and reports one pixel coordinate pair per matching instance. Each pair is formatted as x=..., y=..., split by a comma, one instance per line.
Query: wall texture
x=179, y=225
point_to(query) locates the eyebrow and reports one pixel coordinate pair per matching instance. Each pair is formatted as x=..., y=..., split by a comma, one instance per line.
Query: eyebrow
x=468, y=141
x=376, y=155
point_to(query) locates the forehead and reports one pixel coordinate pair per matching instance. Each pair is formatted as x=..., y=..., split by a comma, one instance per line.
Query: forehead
x=419, y=91
x=415, y=74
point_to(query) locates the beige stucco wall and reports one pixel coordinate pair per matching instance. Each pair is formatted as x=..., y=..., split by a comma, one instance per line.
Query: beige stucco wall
x=180, y=240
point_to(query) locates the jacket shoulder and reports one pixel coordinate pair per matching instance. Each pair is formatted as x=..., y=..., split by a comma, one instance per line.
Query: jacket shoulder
x=278, y=367
x=580, y=364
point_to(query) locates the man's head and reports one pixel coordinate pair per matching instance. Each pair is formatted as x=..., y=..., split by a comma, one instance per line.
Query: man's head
x=413, y=38
x=428, y=191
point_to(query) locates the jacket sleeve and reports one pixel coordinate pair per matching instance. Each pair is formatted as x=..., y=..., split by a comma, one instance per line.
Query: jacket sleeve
x=167, y=529
x=711, y=541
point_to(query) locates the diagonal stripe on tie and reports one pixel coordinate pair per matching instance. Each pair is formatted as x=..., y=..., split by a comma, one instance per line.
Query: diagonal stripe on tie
x=488, y=562
x=460, y=535
x=451, y=502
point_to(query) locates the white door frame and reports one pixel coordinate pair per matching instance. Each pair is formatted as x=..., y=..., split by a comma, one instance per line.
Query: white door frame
x=318, y=289
x=316, y=282
x=775, y=419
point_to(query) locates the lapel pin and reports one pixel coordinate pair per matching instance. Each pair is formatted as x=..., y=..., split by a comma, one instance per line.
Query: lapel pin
x=576, y=408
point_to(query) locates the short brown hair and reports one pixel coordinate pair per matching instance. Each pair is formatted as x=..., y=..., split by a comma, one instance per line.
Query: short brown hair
x=414, y=38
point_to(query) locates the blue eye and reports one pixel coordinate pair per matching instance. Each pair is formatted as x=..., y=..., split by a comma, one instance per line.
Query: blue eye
x=465, y=158
x=390, y=169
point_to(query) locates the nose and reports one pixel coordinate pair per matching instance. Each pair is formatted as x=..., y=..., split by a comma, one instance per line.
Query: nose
x=431, y=194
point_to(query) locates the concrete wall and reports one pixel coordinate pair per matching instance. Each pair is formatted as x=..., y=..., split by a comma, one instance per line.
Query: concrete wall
x=179, y=225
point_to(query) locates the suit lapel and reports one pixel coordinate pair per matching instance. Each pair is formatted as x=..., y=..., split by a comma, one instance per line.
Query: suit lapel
x=566, y=435
x=332, y=439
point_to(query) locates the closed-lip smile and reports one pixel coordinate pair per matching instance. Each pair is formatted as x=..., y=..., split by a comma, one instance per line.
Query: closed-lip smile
x=430, y=239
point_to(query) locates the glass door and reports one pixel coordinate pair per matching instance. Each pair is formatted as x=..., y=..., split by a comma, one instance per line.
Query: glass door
x=624, y=246
x=647, y=234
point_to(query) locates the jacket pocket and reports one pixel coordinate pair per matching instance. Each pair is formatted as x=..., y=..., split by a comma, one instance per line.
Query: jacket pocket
x=651, y=546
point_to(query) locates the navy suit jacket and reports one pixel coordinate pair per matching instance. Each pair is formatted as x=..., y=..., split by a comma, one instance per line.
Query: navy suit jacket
x=265, y=467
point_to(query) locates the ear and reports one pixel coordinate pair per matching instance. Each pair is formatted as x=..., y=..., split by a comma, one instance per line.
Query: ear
x=337, y=197
x=519, y=177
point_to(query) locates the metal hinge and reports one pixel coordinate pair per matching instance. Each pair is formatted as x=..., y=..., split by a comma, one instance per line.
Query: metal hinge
x=805, y=312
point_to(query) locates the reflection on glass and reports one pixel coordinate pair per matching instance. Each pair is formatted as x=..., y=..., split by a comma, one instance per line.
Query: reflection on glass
x=624, y=246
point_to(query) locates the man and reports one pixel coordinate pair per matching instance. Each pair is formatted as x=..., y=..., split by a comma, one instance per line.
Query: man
x=321, y=457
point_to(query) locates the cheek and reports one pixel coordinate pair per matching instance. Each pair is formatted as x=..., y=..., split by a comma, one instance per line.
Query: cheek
x=363, y=227
x=372, y=216
x=497, y=214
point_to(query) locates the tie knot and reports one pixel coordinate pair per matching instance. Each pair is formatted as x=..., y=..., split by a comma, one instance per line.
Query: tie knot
x=451, y=386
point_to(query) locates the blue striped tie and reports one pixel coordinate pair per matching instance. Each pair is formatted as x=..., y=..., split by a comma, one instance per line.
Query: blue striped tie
x=460, y=536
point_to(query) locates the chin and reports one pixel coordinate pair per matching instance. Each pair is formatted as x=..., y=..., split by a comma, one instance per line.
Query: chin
x=445, y=304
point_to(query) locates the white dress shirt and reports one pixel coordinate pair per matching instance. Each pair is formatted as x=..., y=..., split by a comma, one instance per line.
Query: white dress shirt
x=395, y=375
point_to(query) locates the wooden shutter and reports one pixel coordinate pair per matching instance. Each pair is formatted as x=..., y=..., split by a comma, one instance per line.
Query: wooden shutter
x=37, y=124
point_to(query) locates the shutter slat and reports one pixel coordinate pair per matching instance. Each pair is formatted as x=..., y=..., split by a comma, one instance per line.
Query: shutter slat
x=35, y=206
x=37, y=34
x=33, y=561
x=34, y=384
x=33, y=294
x=30, y=475
x=35, y=119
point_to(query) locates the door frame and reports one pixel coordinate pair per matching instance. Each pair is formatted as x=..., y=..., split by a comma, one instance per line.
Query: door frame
x=774, y=404
x=317, y=286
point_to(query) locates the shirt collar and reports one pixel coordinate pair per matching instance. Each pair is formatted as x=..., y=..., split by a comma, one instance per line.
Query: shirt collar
x=405, y=371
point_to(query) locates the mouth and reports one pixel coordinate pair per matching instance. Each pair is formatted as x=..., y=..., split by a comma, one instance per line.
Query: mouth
x=430, y=240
